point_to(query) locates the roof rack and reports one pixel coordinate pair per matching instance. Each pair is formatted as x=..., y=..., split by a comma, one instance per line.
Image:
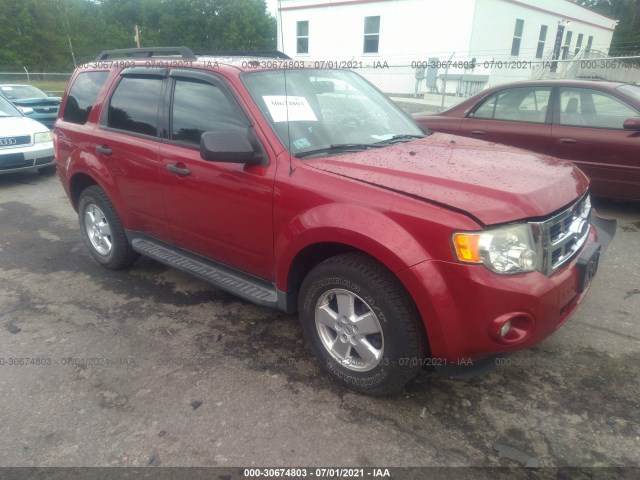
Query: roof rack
x=247, y=53
x=182, y=52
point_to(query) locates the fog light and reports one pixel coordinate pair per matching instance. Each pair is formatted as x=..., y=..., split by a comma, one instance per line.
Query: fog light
x=511, y=328
x=504, y=330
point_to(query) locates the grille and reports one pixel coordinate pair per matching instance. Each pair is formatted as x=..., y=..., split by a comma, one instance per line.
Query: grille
x=8, y=142
x=564, y=234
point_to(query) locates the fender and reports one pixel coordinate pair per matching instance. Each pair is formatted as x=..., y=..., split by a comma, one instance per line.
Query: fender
x=356, y=226
x=83, y=162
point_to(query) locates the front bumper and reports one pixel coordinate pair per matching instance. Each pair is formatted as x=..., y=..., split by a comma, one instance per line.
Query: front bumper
x=26, y=158
x=464, y=306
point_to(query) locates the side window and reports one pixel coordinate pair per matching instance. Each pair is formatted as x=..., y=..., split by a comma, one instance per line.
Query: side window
x=592, y=108
x=82, y=96
x=134, y=105
x=200, y=107
x=516, y=104
x=533, y=107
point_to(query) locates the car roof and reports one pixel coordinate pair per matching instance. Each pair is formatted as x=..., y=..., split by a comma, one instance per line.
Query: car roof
x=563, y=82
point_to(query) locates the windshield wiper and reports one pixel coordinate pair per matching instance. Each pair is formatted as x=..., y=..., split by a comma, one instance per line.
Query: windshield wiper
x=339, y=148
x=398, y=138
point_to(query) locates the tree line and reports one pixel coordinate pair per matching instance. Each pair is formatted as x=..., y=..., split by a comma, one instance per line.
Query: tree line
x=53, y=35
x=626, y=38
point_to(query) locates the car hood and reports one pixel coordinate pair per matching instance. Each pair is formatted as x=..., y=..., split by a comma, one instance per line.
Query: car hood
x=14, y=126
x=30, y=102
x=493, y=183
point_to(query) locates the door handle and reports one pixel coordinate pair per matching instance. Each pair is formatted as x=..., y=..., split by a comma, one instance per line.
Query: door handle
x=104, y=150
x=478, y=132
x=172, y=167
x=567, y=141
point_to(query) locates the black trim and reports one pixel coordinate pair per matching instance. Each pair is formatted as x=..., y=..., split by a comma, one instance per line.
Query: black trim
x=247, y=53
x=144, y=72
x=245, y=285
x=183, y=52
x=203, y=76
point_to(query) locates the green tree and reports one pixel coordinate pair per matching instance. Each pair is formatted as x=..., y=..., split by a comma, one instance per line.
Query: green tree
x=626, y=38
x=49, y=34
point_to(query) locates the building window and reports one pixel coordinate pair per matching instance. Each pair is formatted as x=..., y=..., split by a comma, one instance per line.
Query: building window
x=517, y=38
x=541, y=40
x=371, y=34
x=589, y=44
x=302, y=34
x=567, y=45
x=579, y=43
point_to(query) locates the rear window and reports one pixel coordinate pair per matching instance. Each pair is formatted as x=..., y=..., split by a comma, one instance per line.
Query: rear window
x=82, y=96
x=134, y=105
x=632, y=90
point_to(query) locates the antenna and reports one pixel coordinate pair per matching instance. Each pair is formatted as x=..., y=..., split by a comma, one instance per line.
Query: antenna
x=286, y=94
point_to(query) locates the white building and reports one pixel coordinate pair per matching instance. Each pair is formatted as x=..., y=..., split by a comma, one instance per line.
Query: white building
x=401, y=32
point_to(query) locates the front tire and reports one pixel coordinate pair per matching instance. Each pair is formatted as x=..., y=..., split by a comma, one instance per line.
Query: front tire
x=361, y=324
x=102, y=230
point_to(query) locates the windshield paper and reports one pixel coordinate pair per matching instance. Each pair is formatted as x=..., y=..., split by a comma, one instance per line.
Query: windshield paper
x=299, y=109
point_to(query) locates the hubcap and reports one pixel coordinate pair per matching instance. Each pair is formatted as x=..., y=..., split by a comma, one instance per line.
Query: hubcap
x=349, y=330
x=98, y=230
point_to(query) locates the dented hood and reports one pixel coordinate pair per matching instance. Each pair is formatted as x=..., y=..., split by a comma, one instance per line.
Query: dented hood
x=494, y=183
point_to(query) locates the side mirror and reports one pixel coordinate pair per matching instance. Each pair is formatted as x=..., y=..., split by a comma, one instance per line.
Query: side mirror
x=632, y=123
x=232, y=147
x=323, y=86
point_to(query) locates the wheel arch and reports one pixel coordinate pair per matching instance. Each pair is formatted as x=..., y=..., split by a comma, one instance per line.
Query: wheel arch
x=82, y=179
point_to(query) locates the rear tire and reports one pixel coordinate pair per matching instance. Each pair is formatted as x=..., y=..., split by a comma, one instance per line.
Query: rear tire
x=361, y=324
x=102, y=230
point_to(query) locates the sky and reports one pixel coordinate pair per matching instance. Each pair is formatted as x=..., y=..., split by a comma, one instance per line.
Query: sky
x=272, y=6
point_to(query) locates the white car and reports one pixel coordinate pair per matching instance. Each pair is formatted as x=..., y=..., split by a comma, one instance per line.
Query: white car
x=24, y=143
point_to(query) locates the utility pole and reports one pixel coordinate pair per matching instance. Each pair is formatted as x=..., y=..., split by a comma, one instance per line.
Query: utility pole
x=137, y=36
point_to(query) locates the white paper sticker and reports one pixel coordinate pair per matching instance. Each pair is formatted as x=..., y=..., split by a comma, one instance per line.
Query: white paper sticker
x=298, y=108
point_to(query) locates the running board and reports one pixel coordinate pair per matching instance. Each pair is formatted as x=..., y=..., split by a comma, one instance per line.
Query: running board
x=226, y=278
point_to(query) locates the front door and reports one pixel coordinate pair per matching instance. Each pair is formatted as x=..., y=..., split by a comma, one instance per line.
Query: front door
x=222, y=211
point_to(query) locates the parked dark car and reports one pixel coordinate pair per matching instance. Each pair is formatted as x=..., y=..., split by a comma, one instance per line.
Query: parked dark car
x=33, y=102
x=595, y=124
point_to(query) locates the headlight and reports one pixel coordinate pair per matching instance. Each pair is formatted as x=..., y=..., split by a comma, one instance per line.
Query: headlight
x=43, y=137
x=26, y=110
x=503, y=250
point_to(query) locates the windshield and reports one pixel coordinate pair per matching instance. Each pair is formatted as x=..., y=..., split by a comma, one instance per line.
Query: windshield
x=20, y=92
x=7, y=109
x=631, y=90
x=328, y=111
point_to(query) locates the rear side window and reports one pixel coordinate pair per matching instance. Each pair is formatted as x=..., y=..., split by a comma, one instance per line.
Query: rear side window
x=82, y=96
x=522, y=104
x=134, y=105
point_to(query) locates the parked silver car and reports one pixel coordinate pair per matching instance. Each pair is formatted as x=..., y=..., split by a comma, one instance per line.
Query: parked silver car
x=24, y=143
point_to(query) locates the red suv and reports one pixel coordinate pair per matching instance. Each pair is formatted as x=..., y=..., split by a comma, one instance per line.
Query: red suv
x=307, y=190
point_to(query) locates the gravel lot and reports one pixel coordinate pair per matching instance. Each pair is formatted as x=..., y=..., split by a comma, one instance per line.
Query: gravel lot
x=151, y=367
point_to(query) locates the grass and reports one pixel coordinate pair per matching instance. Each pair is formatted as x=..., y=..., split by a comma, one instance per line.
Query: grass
x=54, y=87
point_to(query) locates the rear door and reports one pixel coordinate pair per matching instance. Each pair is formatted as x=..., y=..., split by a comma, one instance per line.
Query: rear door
x=588, y=131
x=129, y=146
x=517, y=116
x=222, y=211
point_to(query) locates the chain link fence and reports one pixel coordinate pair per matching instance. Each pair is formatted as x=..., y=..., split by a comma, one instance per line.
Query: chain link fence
x=53, y=83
